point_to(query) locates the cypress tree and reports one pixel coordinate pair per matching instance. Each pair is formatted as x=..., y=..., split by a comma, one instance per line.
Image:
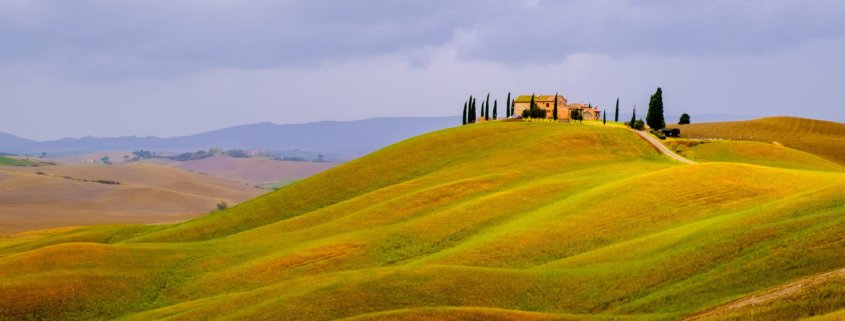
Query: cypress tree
x=481, y=113
x=634, y=116
x=616, y=117
x=555, y=110
x=487, y=110
x=603, y=118
x=508, y=106
x=530, y=106
x=654, y=117
x=465, y=114
x=513, y=107
x=495, y=105
x=472, y=111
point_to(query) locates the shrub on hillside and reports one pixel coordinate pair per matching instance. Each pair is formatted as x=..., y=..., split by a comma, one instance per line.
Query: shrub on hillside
x=222, y=205
x=657, y=133
x=637, y=124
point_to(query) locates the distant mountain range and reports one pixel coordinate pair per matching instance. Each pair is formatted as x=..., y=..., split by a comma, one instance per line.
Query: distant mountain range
x=337, y=140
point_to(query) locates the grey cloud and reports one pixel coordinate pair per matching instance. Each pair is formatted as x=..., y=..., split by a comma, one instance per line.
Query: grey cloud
x=553, y=30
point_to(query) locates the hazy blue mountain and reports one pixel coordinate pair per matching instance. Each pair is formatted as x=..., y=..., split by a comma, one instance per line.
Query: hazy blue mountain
x=338, y=140
x=9, y=142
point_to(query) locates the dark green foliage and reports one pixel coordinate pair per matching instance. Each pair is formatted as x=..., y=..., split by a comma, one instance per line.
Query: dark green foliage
x=554, y=113
x=531, y=106
x=509, y=111
x=534, y=112
x=603, y=118
x=222, y=205
x=616, y=116
x=465, y=114
x=487, y=107
x=654, y=117
x=495, y=106
x=657, y=133
x=576, y=115
x=633, y=117
x=638, y=124
x=684, y=119
x=513, y=107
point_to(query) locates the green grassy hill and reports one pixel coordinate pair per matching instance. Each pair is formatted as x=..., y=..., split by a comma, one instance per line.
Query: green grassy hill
x=822, y=138
x=494, y=221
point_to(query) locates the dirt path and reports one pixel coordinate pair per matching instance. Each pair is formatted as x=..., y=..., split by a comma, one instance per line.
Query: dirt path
x=761, y=298
x=662, y=148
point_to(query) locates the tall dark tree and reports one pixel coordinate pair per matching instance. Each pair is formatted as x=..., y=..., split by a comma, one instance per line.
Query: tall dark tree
x=465, y=114
x=495, y=106
x=654, y=117
x=603, y=118
x=684, y=119
x=487, y=110
x=513, y=107
x=616, y=116
x=487, y=106
x=531, y=105
x=554, y=113
x=508, y=105
x=633, y=116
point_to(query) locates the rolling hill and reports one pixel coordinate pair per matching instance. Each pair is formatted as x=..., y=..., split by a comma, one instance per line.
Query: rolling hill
x=67, y=195
x=493, y=221
x=822, y=138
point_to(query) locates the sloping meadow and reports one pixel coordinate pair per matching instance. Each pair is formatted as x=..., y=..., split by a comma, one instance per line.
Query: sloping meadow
x=494, y=221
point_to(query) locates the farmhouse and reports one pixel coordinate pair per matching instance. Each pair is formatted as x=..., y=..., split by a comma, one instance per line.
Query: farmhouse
x=547, y=103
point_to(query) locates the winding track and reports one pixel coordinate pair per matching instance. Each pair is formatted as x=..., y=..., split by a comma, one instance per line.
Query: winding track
x=662, y=148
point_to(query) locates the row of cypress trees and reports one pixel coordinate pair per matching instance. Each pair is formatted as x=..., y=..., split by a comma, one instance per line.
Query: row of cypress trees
x=471, y=114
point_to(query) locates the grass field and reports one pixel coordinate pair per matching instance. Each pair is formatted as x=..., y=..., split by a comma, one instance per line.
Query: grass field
x=493, y=221
x=821, y=138
x=760, y=153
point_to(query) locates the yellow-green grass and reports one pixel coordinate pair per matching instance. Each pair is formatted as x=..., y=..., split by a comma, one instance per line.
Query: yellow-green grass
x=760, y=153
x=493, y=221
x=822, y=138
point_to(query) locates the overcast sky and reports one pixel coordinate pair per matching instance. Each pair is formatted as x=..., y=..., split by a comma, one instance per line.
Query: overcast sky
x=167, y=68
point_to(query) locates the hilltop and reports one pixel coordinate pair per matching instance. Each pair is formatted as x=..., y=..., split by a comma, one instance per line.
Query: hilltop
x=822, y=138
x=492, y=221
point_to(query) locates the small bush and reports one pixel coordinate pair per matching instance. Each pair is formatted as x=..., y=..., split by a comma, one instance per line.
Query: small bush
x=222, y=205
x=657, y=133
x=637, y=124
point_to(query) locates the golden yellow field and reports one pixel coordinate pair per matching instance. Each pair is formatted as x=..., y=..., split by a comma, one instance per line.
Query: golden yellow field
x=822, y=138
x=492, y=221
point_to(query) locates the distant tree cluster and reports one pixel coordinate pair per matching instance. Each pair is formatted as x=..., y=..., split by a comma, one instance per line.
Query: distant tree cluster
x=192, y=156
x=237, y=153
x=685, y=119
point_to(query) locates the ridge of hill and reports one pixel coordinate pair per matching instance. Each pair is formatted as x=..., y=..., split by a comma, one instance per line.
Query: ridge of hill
x=819, y=137
x=337, y=139
x=499, y=220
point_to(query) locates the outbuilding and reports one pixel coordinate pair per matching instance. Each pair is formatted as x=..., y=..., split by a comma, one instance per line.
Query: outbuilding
x=671, y=132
